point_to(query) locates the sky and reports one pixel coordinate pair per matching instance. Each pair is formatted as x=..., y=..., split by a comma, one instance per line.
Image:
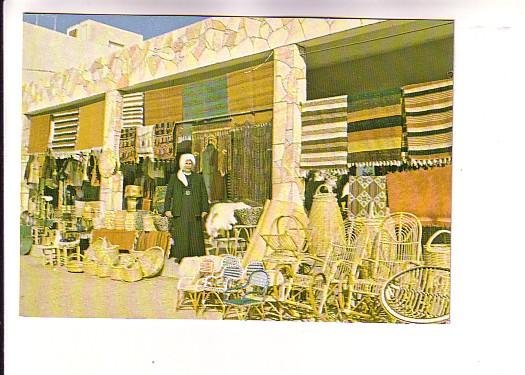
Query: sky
x=148, y=26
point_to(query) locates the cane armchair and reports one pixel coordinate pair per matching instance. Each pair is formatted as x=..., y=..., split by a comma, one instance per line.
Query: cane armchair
x=190, y=286
x=252, y=299
x=218, y=287
x=418, y=295
x=399, y=238
x=288, y=243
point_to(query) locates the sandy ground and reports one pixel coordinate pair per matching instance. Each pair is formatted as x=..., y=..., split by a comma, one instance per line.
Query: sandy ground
x=53, y=292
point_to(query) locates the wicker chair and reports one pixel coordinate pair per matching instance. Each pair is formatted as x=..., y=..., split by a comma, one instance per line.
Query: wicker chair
x=418, y=295
x=399, y=238
x=190, y=286
x=290, y=242
x=252, y=300
x=218, y=287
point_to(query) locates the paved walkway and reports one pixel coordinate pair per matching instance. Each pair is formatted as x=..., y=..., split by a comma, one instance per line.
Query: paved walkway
x=54, y=292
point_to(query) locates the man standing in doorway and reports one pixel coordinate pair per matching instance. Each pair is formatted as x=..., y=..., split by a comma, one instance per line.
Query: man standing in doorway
x=186, y=204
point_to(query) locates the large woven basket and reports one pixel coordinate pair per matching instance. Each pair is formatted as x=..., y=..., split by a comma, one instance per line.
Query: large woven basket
x=326, y=221
x=151, y=261
x=437, y=254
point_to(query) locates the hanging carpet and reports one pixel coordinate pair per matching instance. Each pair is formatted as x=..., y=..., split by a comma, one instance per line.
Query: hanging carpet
x=163, y=105
x=128, y=145
x=324, y=139
x=363, y=190
x=375, y=128
x=428, y=110
x=133, y=109
x=39, y=133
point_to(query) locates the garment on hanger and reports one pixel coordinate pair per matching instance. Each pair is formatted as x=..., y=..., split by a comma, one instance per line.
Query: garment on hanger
x=145, y=141
x=128, y=145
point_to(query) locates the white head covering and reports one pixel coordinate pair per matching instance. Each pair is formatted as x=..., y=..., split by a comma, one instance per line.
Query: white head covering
x=180, y=175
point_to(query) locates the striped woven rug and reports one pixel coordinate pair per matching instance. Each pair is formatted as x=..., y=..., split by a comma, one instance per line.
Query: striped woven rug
x=133, y=109
x=428, y=108
x=324, y=140
x=375, y=128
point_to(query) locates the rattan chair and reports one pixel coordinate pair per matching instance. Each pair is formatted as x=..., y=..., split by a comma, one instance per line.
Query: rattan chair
x=288, y=242
x=418, y=295
x=190, y=286
x=215, y=288
x=399, y=238
x=252, y=300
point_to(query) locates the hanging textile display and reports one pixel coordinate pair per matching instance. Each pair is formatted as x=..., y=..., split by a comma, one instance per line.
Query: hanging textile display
x=39, y=133
x=158, y=198
x=145, y=141
x=428, y=110
x=163, y=105
x=128, y=145
x=251, y=90
x=324, y=140
x=363, y=190
x=425, y=193
x=91, y=126
x=375, y=128
x=163, y=142
x=65, y=128
x=204, y=99
x=133, y=109
x=251, y=163
x=211, y=145
x=183, y=134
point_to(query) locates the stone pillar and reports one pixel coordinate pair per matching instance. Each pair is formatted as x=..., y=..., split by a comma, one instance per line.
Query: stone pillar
x=289, y=93
x=24, y=188
x=111, y=187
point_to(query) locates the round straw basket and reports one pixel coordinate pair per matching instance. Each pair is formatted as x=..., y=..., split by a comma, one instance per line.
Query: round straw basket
x=152, y=261
x=326, y=222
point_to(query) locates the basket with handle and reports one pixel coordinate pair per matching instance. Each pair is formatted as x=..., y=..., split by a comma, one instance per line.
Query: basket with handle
x=104, y=267
x=437, y=254
x=75, y=263
x=90, y=266
x=132, y=271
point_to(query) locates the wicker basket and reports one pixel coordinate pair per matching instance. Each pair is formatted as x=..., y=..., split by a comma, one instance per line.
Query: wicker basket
x=104, y=267
x=326, y=222
x=152, y=261
x=132, y=272
x=75, y=263
x=248, y=216
x=437, y=254
x=90, y=266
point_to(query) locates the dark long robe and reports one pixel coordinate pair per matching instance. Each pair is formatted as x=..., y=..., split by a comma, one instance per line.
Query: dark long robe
x=187, y=203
